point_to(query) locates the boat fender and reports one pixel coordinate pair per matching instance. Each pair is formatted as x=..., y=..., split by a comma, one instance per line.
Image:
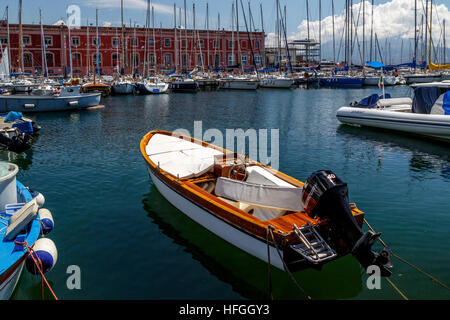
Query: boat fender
x=47, y=222
x=45, y=250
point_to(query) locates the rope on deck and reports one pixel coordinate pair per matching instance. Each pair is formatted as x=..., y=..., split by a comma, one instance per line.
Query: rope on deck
x=434, y=279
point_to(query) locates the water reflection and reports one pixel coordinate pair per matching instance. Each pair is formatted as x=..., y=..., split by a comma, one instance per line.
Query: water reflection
x=341, y=279
x=426, y=155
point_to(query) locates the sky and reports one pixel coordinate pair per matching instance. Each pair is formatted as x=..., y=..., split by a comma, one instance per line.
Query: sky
x=393, y=19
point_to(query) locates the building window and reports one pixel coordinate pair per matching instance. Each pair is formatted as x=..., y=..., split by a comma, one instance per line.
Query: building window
x=256, y=44
x=26, y=40
x=168, y=59
x=200, y=60
x=216, y=60
x=230, y=44
x=135, y=59
x=201, y=43
x=231, y=60
x=244, y=60
x=257, y=59
x=151, y=42
x=216, y=44
x=28, y=59
x=76, y=56
x=184, y=59
x=94, y=41
x=48, y=41
x=75, y=41
x=115, y=57
x=94, y=59
x=50, y=60
x=244, y=44
x=151, y=58
x=166, y=42
x=4, y=40
x=134, y=42
x=115, y=43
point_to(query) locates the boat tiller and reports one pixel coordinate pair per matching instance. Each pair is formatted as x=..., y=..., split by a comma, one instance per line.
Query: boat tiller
x=326, y=196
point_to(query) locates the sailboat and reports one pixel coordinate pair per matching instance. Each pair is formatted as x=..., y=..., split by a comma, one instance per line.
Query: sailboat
x=95, y=86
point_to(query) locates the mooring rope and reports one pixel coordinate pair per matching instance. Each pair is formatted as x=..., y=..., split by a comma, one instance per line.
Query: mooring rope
x=269, y=228
x=406, y=262
x=269, y=275
x=38, y=264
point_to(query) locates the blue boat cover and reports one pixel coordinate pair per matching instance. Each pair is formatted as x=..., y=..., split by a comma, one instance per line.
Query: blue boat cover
x=375, y=64
x=13, y=116
x=424, y=99
x=446, y=103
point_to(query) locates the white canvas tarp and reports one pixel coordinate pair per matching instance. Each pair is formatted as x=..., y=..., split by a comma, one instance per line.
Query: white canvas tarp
x=179, y=157
x=287, y=198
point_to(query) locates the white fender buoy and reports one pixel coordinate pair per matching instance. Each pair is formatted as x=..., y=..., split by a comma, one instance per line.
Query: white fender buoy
x=45, y=250
x=47, y=222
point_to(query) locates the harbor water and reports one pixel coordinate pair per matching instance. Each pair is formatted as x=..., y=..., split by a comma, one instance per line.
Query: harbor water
x=130, y=243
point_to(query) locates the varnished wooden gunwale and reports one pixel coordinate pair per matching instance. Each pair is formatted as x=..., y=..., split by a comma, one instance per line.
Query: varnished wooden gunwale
x=225, y=211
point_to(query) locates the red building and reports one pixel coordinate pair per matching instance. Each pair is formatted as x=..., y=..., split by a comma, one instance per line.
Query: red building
x=172, y=48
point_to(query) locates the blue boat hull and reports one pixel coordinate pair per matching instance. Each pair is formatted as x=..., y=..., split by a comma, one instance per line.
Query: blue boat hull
x=25, y=103
x=342, y=82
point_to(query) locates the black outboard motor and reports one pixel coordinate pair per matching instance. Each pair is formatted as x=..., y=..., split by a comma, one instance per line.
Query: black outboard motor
x=326, y=196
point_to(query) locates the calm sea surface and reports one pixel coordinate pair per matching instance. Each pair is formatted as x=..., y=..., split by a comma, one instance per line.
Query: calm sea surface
x=130, y=243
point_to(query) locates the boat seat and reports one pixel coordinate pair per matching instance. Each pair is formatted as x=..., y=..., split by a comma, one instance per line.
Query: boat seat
x=259, y=175
x=272, y=196
x=262, y=213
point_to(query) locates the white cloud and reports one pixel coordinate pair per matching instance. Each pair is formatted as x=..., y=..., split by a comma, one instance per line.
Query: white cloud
x=393, y=19
x=107, y=24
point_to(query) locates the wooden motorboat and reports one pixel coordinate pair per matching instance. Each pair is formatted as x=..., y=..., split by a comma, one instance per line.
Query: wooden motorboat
x=258, y=209
x=96, y=87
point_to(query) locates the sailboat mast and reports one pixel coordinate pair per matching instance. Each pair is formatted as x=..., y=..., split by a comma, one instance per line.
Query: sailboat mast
x=9, y=41
x=307, y=24
x=278, y=38
x=88, y=48
x=232, y=34
x=334, y=38
x=20, y=38
x=185, y=37
x=154, y=40
x=97, y=66
x=175, y=35
x=371, y=32
x=238, y=41
x=207, y=36
x=415, y=34
x=44, y=56
x=70, y=48
x=320, y=30
x=122, y=42
x=445, y=48
x=426, y=31
x=364, y=36
x=431, y=24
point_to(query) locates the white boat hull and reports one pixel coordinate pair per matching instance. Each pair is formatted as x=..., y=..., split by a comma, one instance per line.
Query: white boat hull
x=425, y=78
x=8, y=286
x=240, y=85
x=435, y=126
x=233, y=235
x=156, y=88
x=373, y=81
x=276, y=83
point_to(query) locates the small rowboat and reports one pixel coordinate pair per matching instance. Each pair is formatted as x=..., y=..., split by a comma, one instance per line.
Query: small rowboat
x=257, y=208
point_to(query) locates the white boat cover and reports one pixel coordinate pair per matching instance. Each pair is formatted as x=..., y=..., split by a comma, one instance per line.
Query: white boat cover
x=259, y=175
x=394, y=102
x=287, y=198
x=179, y=157
x=20, y=219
